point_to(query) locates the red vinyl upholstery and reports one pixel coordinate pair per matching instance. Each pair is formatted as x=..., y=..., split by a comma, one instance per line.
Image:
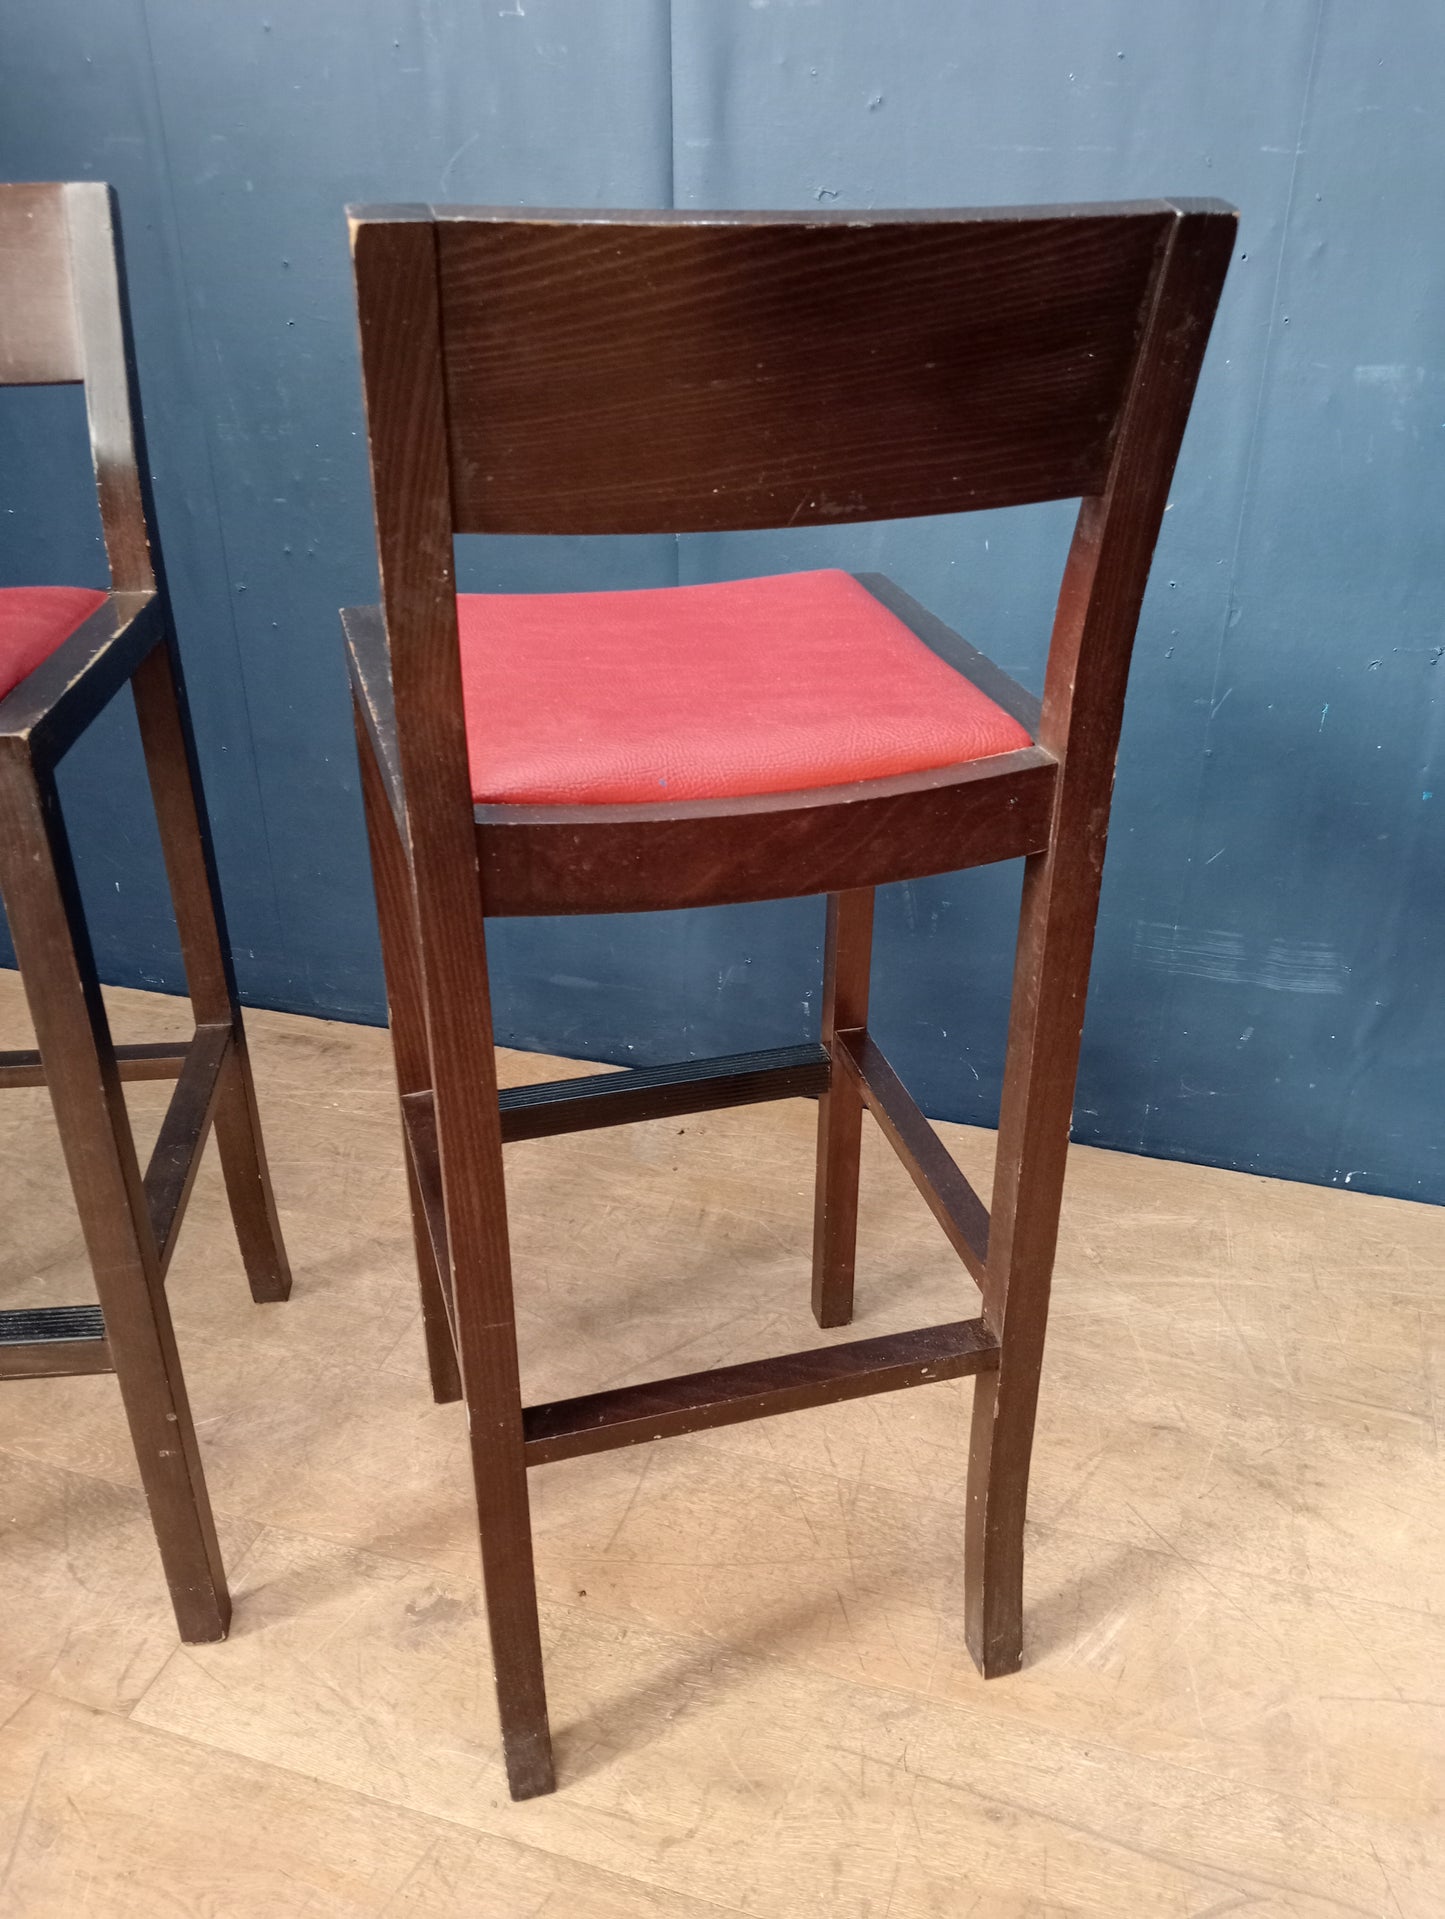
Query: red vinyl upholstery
x=33, y=622
x=708, y=692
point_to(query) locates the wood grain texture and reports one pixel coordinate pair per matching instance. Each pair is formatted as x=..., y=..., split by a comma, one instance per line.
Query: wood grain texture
x=406, y=1013
x=159, y=1059
x=397, y=303
x=42, y=905
x=757, y=1389
x=112, y=395
x=543, y=861
x=847, y=964
x=945, y=1188
x=173, y=771
x=39, y=339
x=1083, y=708
x=629, y=375
x=663, y=1092
x=538, y=373
x=175, y=1157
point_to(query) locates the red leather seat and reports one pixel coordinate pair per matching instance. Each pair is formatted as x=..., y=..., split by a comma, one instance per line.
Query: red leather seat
x=704, y=692
x=33, y=622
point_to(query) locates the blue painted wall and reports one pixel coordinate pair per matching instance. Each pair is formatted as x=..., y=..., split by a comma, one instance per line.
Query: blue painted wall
x=1268, y=987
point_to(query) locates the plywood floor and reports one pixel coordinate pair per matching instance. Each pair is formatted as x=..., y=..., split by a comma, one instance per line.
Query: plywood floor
x=1234, y=1697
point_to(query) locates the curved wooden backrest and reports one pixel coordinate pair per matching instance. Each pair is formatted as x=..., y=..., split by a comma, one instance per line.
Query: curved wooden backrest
x=63, y=321
x=652, y=373
x=624, y=373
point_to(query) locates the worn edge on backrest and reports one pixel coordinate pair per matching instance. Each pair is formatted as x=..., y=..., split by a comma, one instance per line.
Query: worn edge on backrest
x=1101, y=594
x=445, y=214
x=112, y=395
x=836, y=421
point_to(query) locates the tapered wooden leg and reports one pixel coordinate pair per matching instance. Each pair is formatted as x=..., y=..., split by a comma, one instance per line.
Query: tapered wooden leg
x=476, y=1205
x=409, y=1045
x=1051, y=977
x=846, y=960
x=175, y=780
x=499, y=1473
x=58, y=973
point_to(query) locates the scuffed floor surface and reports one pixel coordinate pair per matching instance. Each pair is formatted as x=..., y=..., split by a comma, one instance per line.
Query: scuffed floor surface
x=1234, y=1697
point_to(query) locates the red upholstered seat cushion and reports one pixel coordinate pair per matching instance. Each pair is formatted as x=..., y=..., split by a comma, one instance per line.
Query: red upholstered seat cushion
x=33, y=622
x=708, y=692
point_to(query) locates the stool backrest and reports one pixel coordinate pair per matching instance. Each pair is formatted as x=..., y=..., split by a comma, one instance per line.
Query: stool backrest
x=63, y=322
x=645, y=374
x=577, y=373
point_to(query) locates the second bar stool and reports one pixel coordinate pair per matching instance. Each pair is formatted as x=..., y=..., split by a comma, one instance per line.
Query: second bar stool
x=64, y=653
x=532, y=373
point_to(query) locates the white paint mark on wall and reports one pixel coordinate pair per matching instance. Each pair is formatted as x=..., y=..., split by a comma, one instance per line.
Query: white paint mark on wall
x=1400, y=386
x=1281, y=965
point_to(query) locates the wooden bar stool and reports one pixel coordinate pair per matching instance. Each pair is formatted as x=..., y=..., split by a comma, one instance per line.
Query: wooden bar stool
x=64, y=653
x=819, y=733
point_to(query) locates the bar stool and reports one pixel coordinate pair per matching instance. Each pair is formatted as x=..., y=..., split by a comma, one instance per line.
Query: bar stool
x=64, y=653
x=821, y=733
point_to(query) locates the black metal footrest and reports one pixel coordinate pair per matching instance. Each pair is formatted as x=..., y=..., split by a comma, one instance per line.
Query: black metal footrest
x=40, y=1342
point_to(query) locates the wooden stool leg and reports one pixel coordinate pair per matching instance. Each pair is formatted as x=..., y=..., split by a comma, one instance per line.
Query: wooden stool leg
x=408, y=1042
x=165, y=725
x=499, y=1472
x=846, y=960
x=1051, y=977
x=58, y=973
x=476, y=1206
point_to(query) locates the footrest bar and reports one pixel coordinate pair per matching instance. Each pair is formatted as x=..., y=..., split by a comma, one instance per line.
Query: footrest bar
x=176, y=1156
x=662, y=1408
x=932, y=1168
x=47, y=1342
x=660, y=1092
x=419, y=1125
x=161, y=1059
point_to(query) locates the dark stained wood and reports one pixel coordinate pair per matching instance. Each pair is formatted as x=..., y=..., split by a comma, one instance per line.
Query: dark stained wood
x=129, y=1224
x=52, y=706
x=847, y=959
x=39, y=340
x=176, y=1156
x=53, y=1342
x=622, y=374
x=662, y=1092
x=112, y=400
x=57, y=969
x=949, y=1195
x=625, y=373
x=1083, y=705
x=540, y=860
x=608, y=1099
x=154, y=1059
x=727, y=1395
x=406, y=1008
x=396, y=283
x=368, y=659
x=158, y=689
x=424, y=1163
